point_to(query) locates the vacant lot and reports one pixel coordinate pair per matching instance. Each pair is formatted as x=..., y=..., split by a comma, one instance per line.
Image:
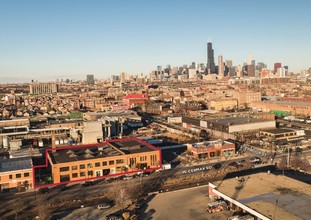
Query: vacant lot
x=184, y=204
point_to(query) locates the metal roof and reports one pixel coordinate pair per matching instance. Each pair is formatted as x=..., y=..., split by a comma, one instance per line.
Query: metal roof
x=13, y=164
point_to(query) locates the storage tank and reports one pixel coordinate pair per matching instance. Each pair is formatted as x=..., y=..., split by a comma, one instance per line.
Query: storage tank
x=57, y=141
x=5, y=142
x=61, y=141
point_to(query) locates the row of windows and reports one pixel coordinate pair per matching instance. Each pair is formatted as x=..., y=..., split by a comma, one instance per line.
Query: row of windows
x=143, y=158
x=90, y=165
x=18, y=175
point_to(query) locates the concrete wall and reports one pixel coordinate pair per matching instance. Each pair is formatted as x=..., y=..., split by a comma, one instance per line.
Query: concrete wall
x=252, y=126
x=92, y=131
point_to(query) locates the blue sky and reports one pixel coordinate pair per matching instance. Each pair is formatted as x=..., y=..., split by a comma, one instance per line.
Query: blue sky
x=71, y=38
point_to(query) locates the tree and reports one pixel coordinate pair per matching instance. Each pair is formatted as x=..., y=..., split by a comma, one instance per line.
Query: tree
x=123, y=194
x=282, y=164
x=42, y=208
x=18, y=207
x=296, y=161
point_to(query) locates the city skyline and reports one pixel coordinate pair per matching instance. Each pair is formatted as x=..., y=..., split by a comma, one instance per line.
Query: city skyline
x=70, y=39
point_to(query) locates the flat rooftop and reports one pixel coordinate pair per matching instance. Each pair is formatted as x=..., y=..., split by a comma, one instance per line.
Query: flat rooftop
x=83, y=153
x=13, y=164
x=132, y=146
x=101, y=150
x=275, y=196
x=236, y=120
x=305, y=104
x=206, y=144
x=279, y=130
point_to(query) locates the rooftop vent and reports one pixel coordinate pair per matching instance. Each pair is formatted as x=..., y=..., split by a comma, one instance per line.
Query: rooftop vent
x=88, y=151
x=70, y=152
x=88, y=156
x=73, y=155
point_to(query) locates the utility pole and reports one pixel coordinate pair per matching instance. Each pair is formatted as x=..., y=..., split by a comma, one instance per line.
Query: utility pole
x=141, y=184
x=287, y=156
x=276, y=205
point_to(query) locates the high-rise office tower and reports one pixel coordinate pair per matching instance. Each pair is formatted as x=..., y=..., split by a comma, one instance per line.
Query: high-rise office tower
x=210, y=59
x=229, y=70
x=192, y=65
x=276, y=66
x=286, y=70
x=122, y=77
x=90, y=79
x=221, y=68
x=239, y=71
x=280, y=72
x=251, y=66
x=251, y=70
x=229, y=63
x=167, y=69
x=260, y=66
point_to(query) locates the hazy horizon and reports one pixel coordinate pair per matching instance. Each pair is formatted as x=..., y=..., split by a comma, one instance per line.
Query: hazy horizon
x=41, y=40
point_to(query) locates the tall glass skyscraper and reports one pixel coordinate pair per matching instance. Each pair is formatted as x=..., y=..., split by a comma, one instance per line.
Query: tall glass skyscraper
x=210, y=59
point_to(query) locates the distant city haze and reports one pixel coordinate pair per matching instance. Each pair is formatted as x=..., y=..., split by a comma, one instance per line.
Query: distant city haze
x=49, y=40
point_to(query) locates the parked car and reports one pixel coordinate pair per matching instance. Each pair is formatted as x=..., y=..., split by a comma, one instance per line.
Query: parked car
x=233, y=164
x=217, y=166
x=255, y=160
x=216, y=206
x=104, y=206
x=43, y=190
x=139, y=204
x=87, y=183
x=128, y=178
x=298, y=149
x=241, y=162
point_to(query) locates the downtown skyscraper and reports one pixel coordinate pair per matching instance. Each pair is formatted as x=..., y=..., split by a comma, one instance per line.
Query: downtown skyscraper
x=210, y=59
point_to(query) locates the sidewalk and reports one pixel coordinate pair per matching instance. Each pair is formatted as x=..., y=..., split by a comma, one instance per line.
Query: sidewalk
x=214, y=160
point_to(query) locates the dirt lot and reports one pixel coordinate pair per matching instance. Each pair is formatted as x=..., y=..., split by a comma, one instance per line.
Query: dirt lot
x=184, y=204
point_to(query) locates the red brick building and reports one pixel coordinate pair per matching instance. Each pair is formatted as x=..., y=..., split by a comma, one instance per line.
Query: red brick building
x=133, y=100
x=210, y=149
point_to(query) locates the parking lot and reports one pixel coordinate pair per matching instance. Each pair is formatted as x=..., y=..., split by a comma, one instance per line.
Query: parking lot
x=184, y=204
x=91, y=212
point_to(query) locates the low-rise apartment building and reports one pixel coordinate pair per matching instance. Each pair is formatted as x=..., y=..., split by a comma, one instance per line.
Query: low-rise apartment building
x=222, y=104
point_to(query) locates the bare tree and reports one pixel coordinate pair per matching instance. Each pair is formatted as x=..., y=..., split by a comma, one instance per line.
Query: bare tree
x=18, y=207
x=42, y=207
x=282, y=164
x=305, y=164
x=120, y=194
x=296, y=161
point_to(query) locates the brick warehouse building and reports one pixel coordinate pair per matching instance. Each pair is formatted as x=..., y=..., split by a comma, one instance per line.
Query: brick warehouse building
x=134, y=100
x=16, y=172
x=292, y=107
x=121, y=156
x=211, y=149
